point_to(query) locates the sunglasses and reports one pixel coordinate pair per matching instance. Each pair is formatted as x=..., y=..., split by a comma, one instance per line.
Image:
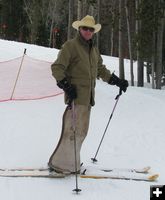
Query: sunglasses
x=85, y=28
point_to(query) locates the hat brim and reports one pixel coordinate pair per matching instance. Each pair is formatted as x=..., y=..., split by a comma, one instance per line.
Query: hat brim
x=78, y=24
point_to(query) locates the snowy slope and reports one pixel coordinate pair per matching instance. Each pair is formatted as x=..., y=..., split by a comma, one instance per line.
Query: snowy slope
x=29, y=132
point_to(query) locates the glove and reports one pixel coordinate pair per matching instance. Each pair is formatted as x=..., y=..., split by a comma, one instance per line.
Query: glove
x=121, y=83
x=68, y=88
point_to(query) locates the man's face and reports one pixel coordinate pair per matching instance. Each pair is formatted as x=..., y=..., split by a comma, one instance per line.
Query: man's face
x=87, y=32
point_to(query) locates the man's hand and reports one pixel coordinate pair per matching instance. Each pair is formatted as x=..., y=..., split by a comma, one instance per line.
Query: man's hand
x=69, y=89
x=121, y=83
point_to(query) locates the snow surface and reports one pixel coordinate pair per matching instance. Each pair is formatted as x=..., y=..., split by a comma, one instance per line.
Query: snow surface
x=29, y=132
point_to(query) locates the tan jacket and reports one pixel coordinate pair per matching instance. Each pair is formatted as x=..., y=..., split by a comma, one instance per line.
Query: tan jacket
x=81, y=65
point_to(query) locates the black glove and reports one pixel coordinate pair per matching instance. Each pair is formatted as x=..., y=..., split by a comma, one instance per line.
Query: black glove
x=68, y=88
x=121, y=83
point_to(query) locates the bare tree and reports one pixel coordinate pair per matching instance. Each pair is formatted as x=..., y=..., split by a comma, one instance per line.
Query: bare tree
x=129, y=42
x=159, y=66
x=153, y=60
x=52, y=9
x=98, y=19
x=82, y=8
x=91, y=9
x=85, y=7
x=79, y=9
x=70, y=20
x=37, y=13
x=33, y=16
x=112, y=10
x=121, y=58
x=140, y=73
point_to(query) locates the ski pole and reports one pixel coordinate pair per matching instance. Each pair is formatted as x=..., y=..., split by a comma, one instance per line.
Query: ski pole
x=77, y=190
x=18, y=74
x=117, y=99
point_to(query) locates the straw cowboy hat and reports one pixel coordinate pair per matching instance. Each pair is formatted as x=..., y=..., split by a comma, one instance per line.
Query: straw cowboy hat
x=87, y=21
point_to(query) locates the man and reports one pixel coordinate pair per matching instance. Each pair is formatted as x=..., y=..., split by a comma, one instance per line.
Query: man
x=76, y=69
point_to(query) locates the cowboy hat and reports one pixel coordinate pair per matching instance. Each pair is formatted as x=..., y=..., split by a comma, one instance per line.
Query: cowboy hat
x=87, y=21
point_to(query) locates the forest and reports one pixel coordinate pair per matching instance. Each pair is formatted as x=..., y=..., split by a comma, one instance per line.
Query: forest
x=131, y=29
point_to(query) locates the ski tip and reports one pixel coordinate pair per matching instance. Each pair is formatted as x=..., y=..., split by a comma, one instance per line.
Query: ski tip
x=153, y=177
x=143, y=170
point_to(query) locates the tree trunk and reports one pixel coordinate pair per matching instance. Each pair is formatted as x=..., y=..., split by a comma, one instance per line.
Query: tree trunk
x=153, y=60
x=112, y=25
x=85, y=7
x=148, y=71
x=79, y=10
x=70, y=20
x=33, y=12
x=129, y=44
x=91, y=10
x=121, y=59
x=159, y=53
x=140, y=73
x=51, y=41
x=98, y=20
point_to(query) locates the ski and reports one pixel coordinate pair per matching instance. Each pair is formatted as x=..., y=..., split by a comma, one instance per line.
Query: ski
x=105, y=169
x=123, y=175
x=86, y=172
x=30, y=173
x=143, y=170
x=25, y=169
x=152, y=177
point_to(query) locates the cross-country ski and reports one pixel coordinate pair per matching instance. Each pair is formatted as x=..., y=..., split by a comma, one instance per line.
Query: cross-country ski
x=86, y=172
x=115, y=169
x=119, y=176
x=30, y=173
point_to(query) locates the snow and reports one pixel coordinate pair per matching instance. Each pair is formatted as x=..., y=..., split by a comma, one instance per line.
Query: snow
x=29, y=132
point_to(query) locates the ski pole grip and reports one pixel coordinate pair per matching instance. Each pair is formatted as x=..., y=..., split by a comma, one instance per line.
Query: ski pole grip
x=24, y=51
x=120, y=93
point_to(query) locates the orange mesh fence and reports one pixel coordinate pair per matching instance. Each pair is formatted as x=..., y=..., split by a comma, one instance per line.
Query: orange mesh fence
x=25, y=78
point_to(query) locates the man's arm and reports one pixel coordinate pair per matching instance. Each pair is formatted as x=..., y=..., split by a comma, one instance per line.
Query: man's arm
x=59, y=67
x=111, y=79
